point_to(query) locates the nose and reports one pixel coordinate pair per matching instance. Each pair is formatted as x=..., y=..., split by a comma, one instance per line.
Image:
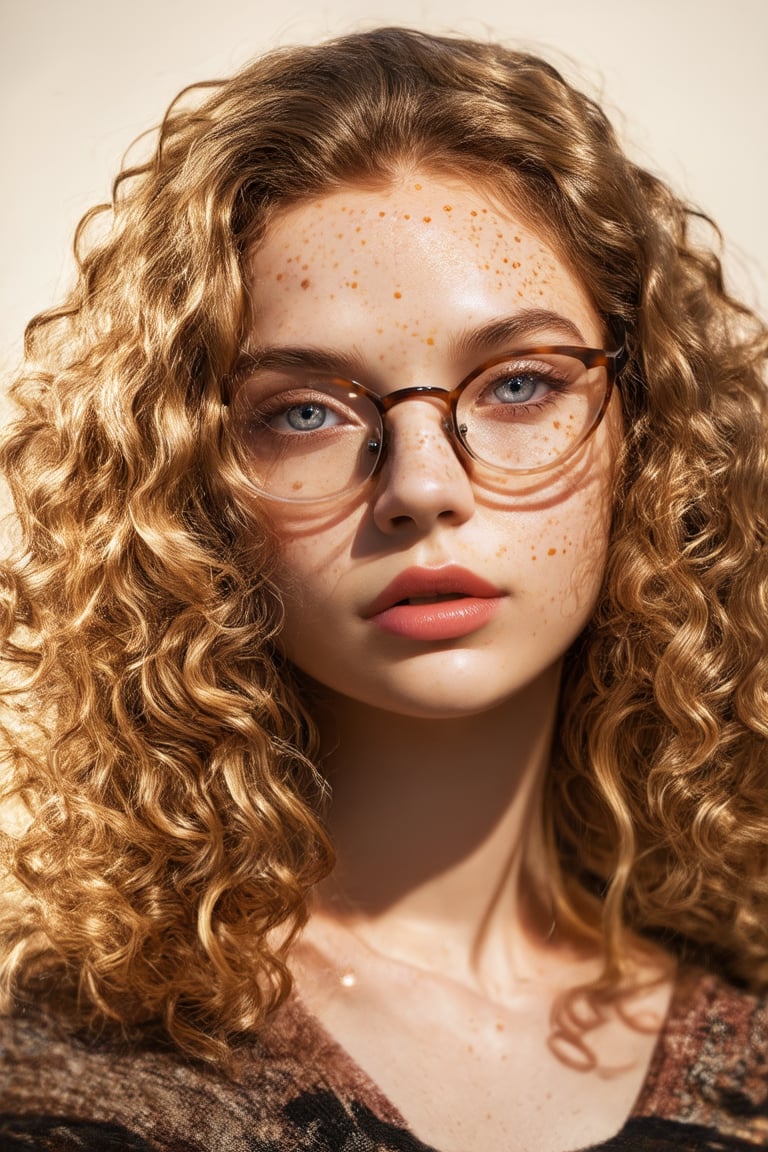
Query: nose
x=422, y=480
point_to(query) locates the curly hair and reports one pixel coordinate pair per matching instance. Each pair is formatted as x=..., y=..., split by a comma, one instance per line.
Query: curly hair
x=173, y=817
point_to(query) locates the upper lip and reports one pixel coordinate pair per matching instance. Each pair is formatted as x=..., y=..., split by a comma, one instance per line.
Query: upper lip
x=431, y=582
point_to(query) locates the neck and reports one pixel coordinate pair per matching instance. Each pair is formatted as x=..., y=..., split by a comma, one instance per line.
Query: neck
x=437, y=827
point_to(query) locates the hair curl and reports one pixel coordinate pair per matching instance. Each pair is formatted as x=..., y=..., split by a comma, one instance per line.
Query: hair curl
x=174, y=823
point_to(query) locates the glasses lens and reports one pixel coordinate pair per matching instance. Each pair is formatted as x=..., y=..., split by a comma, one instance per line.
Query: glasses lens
x=528, y=412
x=306, y=437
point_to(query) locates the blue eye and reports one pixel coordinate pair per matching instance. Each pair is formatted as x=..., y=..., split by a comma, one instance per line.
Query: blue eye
x=306, y=417
x=516, y=389
x=306, y=414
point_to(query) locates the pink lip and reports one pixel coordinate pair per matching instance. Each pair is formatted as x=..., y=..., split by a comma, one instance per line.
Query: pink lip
x=475, y=604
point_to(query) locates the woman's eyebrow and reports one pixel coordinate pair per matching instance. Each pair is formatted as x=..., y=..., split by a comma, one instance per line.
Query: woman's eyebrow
x=512, y=329
x=328, y=360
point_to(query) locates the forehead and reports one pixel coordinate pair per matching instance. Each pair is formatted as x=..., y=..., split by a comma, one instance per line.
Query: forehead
x=406, y=266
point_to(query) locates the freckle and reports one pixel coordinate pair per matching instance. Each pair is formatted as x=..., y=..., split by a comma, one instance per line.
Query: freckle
x=520, y=294
x=485, y=210
x=552, y=552
x=305, y=284
x=556, y=424
x=406, y=215
x=499, y=1026
x=427, y=219
x=279, y=276
x=353, y=284
x=564, y=551
x=533, y=557
x=304, y=267
x=517, y=239
x=397, y=295
x=380, y=331
x=447, y=208
x=505, y=260
x=297, y=484
x=429, y=340
x=486, y=266
x=500, y=235
x=515, y=263
x=382, y=213
x=339, y=235
x=358, y=229
x=417, y=187
x=501, y=551
x=473, y=213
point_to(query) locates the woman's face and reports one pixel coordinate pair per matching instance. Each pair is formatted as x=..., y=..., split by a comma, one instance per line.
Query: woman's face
x=426, y=593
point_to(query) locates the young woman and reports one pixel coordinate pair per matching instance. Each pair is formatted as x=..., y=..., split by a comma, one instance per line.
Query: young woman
x=387, y=679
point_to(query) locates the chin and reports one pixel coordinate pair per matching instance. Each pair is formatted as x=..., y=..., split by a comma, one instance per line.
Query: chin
x=430, y=690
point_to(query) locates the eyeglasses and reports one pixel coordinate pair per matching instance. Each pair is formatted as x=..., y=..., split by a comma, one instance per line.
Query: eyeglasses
x=310, y=436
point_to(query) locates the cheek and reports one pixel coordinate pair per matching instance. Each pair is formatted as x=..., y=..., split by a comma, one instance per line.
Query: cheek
x=308, y=572
x=565, y=548
x=315, y=556
x=565, y=557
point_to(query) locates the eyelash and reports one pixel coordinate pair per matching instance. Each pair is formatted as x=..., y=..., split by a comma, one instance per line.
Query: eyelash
x=536, y=371
x=278, y=406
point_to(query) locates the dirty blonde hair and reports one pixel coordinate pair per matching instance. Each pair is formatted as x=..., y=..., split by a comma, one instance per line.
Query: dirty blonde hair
x=173, y=813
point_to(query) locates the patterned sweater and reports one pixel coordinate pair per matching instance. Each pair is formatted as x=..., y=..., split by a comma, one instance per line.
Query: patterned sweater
x=706, y=1088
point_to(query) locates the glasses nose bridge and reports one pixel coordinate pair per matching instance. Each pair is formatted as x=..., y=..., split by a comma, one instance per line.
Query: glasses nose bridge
x=424, y=392
x=416, y=391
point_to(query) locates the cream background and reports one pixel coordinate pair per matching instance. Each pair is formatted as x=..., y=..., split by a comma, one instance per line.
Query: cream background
x=684, y=80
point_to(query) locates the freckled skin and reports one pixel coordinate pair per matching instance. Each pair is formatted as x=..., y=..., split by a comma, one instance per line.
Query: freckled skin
x=429, y=280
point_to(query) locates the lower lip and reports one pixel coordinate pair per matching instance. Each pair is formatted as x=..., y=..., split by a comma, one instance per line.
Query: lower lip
x=444, y=620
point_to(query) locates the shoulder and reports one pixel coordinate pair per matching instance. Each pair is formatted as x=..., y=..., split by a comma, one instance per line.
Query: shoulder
x=292, y=1089
x=710, y=1068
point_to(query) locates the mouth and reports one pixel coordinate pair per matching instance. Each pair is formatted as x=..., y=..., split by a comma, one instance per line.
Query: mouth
x=416, y=587
x=433, y=604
